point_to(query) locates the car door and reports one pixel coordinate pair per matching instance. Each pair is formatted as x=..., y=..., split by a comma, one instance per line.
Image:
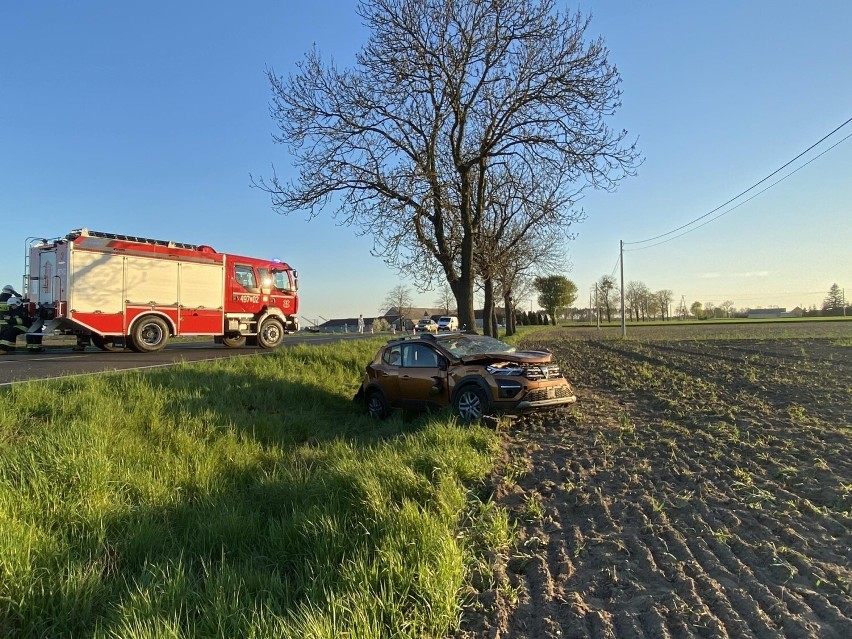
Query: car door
x=422, y=379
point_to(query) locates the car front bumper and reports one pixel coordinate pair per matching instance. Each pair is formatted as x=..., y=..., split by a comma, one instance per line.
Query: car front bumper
x=525, y=406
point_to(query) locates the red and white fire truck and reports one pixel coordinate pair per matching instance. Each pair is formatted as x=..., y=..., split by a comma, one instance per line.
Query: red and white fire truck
x=135, y=292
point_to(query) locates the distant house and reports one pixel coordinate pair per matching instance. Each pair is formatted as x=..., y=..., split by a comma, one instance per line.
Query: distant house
x=411, y=316
x=766, y=313
x=345, y=325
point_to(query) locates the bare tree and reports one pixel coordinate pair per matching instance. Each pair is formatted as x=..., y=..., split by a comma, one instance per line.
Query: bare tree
x=526, y=224
x=405, y=143
x=727, y=306
x=636, y=298
x=664, y=299
x=445, y=298
x=606, y=294
x=398, y=299
x=652, y=304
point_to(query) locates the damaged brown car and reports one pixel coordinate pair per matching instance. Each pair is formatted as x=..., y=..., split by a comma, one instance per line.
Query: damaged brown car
x=475, y=374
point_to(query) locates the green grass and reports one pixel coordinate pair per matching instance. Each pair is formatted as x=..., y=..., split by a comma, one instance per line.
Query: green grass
x=242, y=498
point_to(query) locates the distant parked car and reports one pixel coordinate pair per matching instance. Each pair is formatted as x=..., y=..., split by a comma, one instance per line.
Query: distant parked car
x=448, y=323
x=475, y=374
x=426, y=326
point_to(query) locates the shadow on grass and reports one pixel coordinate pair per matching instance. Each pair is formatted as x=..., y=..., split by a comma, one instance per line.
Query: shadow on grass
x=281, y=532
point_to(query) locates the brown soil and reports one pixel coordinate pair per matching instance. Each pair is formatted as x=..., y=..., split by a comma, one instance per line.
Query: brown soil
x=699, y=488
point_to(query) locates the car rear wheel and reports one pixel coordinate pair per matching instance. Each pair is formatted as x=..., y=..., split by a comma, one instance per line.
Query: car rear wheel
x=377, y=405
x=470, y=403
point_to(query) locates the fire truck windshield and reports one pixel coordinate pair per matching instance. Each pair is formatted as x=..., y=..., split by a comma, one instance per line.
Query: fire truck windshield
x=280, y=279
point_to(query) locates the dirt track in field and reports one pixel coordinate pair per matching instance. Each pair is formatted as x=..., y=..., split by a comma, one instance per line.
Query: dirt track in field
x=699, y=488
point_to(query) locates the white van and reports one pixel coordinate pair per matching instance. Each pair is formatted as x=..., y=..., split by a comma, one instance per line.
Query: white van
x=448, y=323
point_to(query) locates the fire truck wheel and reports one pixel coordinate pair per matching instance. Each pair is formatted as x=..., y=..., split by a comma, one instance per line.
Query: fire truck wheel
x=234, y=341
x=150, y=334
x=271, y=333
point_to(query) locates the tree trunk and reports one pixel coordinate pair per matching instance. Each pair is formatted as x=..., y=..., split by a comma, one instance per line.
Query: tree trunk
x=464, y=304
x=509, y=313
x=488, y=327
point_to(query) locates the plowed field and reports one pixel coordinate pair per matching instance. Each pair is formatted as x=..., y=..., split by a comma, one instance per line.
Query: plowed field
x=700, y=487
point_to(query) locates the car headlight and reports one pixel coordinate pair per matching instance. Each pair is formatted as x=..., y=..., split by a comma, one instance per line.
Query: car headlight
x=504, y=370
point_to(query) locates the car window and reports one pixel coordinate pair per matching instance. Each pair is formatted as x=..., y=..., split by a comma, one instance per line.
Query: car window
x=419, y=356
x=393, y=356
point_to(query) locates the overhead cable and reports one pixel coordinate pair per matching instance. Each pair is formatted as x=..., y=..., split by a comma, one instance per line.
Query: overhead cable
x=752, y=187
x=716, y=217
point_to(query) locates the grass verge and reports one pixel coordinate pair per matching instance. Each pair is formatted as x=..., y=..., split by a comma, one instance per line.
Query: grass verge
x=241, y=498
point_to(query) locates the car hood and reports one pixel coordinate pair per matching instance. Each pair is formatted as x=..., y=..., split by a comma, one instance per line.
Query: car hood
x=524, y=357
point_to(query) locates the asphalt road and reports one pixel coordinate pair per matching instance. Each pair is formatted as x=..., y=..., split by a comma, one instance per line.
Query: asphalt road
x=61, y=361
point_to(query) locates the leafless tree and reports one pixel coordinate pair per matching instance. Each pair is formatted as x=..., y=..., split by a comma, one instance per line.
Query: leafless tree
x=445, y=298
x=525, y=225
x=399, y=299
x=636, y=298
x=664, y=299
x=606, y=295
x=405, y=143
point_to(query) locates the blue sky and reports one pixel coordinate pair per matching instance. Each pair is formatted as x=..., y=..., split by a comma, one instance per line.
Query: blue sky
x=147, y=119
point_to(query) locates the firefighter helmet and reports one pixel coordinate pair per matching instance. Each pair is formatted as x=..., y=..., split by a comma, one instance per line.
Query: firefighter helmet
x=8, y=288
x=14, y=302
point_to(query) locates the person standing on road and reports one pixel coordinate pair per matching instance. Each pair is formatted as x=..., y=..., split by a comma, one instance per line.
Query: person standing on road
x=360, y=323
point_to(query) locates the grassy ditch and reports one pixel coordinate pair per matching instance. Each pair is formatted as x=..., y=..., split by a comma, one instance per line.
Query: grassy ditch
x=242, y=498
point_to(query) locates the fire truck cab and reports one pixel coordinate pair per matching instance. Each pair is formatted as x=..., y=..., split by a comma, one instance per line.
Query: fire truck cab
x=132, y=292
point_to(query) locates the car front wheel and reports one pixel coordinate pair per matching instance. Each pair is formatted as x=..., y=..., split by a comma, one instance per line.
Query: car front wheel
x=470, y=403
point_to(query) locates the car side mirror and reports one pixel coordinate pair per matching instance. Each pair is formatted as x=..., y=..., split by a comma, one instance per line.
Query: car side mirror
x=442, y=363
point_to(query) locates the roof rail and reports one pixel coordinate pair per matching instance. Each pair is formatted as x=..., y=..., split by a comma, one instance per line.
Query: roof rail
x=407, y=338
x=84, y=232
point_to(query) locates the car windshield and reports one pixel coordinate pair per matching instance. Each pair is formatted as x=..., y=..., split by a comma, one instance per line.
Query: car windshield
x=464, y=345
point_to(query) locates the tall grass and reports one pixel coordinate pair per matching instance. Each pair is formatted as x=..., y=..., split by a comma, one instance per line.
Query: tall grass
x=247, y=497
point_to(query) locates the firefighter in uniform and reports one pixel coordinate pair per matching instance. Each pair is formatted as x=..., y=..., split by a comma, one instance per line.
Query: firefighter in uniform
x=8, y=291
x=15, y=321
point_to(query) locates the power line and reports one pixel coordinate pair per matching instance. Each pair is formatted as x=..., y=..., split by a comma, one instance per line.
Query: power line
x=733, y=208
x=617, y=260
x=752, y=187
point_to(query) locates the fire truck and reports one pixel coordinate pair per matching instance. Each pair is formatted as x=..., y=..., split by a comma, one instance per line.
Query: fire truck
x=133, y=292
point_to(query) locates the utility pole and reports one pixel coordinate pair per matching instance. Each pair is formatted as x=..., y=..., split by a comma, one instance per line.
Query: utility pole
x=597, y=306
x=621, y=261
